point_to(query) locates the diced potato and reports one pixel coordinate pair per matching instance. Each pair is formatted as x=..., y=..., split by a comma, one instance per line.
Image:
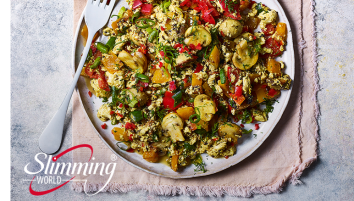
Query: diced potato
x=214, y=58
x=225, y=87
x=196, y=81
x=185, y=112
x=207, y=89
x=111, y=63
x=262, y=93
x=152, y=156
x=161, y=76
x=120, y=134
x=174, y=163
x=281, y=31
x=273, y=66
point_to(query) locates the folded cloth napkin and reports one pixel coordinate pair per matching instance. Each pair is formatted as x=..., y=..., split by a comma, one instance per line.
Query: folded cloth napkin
x=289, y=149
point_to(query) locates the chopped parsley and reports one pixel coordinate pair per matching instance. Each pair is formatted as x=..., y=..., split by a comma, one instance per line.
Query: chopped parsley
x=199, y=164
x=246, y=117
x=188, y=147
x=269, y=105
x=245, y=131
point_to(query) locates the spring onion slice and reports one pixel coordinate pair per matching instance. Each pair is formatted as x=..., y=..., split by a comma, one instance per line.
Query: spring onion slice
x=146, y=23
x=96, y=63
x=192, y=117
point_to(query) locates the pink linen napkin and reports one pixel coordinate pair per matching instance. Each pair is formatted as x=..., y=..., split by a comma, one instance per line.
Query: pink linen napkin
x=289, y=149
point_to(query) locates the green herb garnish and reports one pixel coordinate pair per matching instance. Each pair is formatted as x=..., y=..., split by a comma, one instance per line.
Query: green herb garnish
x=199, y=164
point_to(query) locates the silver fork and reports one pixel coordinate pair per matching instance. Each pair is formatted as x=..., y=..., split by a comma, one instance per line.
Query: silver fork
x=96, y=16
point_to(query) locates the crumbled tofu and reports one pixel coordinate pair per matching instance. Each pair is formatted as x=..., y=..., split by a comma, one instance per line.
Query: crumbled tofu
x=267, y=17
x=211, y=80
x=115, y=80
x=104, y=112
x=98, y=91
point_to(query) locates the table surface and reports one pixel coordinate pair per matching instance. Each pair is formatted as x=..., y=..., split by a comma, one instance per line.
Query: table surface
x=41, y=32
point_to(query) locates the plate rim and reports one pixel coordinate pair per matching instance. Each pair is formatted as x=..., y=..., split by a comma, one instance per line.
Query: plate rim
x=253, y=149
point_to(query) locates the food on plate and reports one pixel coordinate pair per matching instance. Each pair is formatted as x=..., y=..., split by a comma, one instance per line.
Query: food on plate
x=180, y=78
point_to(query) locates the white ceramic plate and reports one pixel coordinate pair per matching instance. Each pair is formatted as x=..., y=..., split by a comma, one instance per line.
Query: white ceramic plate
x=247, y=144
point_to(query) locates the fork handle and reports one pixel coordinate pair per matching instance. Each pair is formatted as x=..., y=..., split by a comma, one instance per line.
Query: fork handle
x=51, y=138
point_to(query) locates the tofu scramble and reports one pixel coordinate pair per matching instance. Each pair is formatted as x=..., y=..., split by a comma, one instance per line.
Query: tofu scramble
x=175, y=74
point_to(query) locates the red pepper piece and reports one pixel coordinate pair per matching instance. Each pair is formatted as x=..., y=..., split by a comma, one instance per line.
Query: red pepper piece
x=272, y=92
x=198, y=47
x=146, y=9
x=172, y=86
x=104, y=126
x=256, y=126
x=199, y=68
x=238, y=91
x=169, y=102
x=137, y=4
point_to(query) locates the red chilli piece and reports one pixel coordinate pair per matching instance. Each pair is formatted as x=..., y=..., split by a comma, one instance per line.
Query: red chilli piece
x=178, y=45
x=130, y=150
x=226, y=157
x=160, y=64
x=242, y=125
x=199, y=46
x=104, y=126
x=256, y=126
x=121, y=116
x=162, y=53
x=162, y=29
x=130, y=126
x=111, y=113
x=90, y=93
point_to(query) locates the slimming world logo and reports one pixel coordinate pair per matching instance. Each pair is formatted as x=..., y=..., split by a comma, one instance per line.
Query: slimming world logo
x=53, y=170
